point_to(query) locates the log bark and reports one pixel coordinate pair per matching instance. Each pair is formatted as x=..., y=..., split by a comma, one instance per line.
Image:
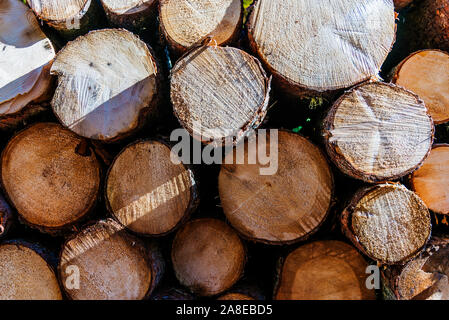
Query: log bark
x=137, y=16
x=112, y=264
x=316, y=47
x=208, y=257
x=323, y=270
x=71, y=18
x=426, y=73
x=25, y=274
x=258, y=206
x=401, y=4
x=219, y=94
x=185, y=23
x=6, y=217
x=26, y=55
x=387, y=222
x=423, y=278
x=146, y=192
x=431, y=181
x=108, y=84
x=378, y=132
x=52, y=186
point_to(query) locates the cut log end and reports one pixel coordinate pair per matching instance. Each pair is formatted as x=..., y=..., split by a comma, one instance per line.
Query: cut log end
x=401, y=4
x=134, y=15
x=324, y=270
x=431, y=181
x=388, y=222
x=108, y=81
x=340, y=44
x=426, y=73
x=257, y=205
x=208, y=257
x=147, y=192
x=112, y=264
x=186, y=23
x=51, y=186
x=25, y=275
x=219, y=94
x=378, y=132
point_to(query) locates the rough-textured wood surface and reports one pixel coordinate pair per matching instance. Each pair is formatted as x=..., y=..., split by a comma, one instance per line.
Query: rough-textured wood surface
x=243, y=291
x=208, y=257
x=258, y=206
x=322, y=46
x=423, y=278
x=112, y=264
x=378, y=132
x=387, y=222
x=146, y=192
x=431, y=181
x=70, y=18
x=184, y=23
x=26, y=55
x=219, y=94
x=134, y=15
x=323, y=270
x=401, y=4
x=172, y=293
x=107, y=84
x=25, y=275
x=49, y=183
x=426, y=73
x=6, y=217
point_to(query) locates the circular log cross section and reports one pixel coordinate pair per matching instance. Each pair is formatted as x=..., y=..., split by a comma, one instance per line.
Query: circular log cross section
x=135, y=15
x=388, y=222
x=208, y=257
x=187, y=22
x=146, y=192
x=219, y=94
x=258, y=206
x=323, y=270
x=378, y=132
x=322, y=46
x=48, y=182
x=107, y=84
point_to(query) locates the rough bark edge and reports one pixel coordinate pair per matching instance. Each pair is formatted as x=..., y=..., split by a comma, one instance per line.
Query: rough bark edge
x=6, y=217
x=252, y=124
x=146, y=114
x=194, y=192
x=68, y=227
x=21, y=118
x=340, y=160
x=292, y=87
x=314, y=230
x=172, y=293
x=178, y=51
x=346, y=227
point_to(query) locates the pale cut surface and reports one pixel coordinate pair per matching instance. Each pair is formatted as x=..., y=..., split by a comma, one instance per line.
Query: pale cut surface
x=57, y=10
x=324, y=270
x=218, y=92
x=426, y=73
x=127, y=6
x=112, y=264
x=25, y=275
x=208, y=257
x=146, y=191
x=380, y=130
x=47, y=181
x=105, y=79
x=25, y=52
x=391, y=223
x=431, y=181
x=323, y=45
x=258, y=205
x=186, y=22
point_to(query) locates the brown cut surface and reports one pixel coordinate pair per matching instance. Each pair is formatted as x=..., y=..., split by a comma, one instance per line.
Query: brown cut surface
x=282, y=207
x=431, y=181
x=324, y=270
x=50, y=185
x=426, y=73
x=235, y=297
x=25, y=275
x=399, y=4
x=112, y=264
x=208, y=257
x=146, y=191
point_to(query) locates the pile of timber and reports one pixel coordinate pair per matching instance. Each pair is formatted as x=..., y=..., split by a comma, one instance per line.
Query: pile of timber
x=93, y=93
